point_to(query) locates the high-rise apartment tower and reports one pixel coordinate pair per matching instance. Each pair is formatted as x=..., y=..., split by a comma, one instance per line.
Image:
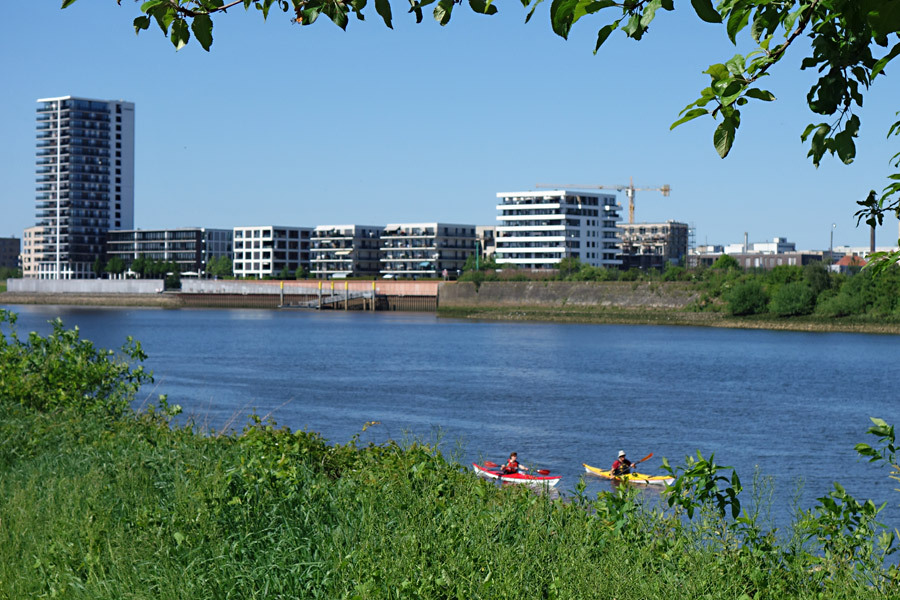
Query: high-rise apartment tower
x=85, y=181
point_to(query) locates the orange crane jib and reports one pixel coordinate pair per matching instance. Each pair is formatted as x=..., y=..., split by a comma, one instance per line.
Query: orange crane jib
x=629, y=191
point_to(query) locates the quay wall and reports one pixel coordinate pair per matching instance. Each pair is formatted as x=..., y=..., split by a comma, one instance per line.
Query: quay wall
x=566, y=294
x=308, y=287
x=84, y=286
x=391, y=295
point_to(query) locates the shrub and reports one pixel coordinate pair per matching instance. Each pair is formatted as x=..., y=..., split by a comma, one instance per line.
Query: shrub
x=726, y=263
x=781, y=274
x=793, y=299
x=64, y=371
x=747, y=298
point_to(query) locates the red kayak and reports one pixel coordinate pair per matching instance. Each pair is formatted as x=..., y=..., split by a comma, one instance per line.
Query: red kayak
x=547, y=480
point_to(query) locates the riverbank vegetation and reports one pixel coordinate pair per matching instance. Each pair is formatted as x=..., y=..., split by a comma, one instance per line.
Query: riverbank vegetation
x=100, y=501
x=791, y=297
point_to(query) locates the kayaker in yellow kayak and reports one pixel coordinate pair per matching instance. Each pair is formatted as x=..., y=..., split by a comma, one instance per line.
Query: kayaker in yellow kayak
x=622, y=466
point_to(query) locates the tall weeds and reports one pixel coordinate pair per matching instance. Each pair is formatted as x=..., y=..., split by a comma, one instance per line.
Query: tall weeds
x=96, y=503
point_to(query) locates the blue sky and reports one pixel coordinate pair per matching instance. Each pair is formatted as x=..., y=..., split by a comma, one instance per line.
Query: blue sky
x=304, y=126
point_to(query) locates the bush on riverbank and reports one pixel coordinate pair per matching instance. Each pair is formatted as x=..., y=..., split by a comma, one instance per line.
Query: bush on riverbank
x=101, y=503
x=783, y=292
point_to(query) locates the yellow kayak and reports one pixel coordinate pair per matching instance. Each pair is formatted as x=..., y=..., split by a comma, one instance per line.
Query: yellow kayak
x=636, y=478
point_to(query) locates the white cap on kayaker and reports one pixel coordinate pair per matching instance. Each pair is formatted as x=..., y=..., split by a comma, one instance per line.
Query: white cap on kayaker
x=621, y=453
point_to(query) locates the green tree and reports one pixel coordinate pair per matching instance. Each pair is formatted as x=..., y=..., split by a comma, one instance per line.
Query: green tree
x=140, y=265
x=568, y=266
x=726, y=263
x=300, y=273
x=816, y=276
x=97, y=267
x=747, y=298
x=10, y=273
x=115, y=266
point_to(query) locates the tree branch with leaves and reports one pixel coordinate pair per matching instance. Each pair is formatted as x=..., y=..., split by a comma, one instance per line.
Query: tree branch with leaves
x=850, y=44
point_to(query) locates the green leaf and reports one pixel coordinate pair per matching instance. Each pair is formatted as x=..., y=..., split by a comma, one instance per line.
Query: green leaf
x=561, y=17
x=883, y=17
x=604, y=33
x=705, y=10
x=180, y=34
x=688, y=116
x=146, y=7
x=383, y=8
x=164, y=16
x=140, y=23
x=723, y=137
x=533, y=8
x=737, y=20
x=882, y=62
x=482, y=7
x=67, y=3
x=202, y=27
x=649, y=12
x=759, y=94
x=442, y=11
x=817, y=143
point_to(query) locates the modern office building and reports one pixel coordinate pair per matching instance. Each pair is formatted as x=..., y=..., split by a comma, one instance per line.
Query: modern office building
x=536, y=230
x=85, y=181
x=338, y=251
x=653, y=245
x=10, y=249
x=271, y=251
x=418, y=250
x=188, y=247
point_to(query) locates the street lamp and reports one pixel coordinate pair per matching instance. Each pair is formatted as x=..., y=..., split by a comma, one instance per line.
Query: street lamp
x=831, y=246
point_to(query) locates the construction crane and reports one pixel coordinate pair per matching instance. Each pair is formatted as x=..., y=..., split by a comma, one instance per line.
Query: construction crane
x=629, y=191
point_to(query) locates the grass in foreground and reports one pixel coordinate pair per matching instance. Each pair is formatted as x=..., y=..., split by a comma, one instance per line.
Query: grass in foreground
x=99, y=502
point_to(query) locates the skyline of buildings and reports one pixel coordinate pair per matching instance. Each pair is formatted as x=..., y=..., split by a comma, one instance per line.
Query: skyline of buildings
x=84, y=213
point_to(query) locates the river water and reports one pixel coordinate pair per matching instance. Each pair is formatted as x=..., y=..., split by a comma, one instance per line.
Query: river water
x=791, y=405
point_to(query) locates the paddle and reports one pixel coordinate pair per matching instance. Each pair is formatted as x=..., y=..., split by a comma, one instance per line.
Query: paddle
x=643, y=459
x=493, y=465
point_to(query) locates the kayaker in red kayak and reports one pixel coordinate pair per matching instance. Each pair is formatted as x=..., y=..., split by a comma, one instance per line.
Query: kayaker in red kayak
x=512, y=465
x=622, y=466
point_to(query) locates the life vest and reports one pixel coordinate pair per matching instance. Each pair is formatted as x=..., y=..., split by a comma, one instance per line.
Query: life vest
x=511, y=466
x=621, y=467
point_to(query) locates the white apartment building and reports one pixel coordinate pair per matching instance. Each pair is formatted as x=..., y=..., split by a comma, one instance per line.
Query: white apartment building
x=338, y=251
x=415, y=250
x=270, y=250
x=779, y=245
x=85, y=181
x=536, y=230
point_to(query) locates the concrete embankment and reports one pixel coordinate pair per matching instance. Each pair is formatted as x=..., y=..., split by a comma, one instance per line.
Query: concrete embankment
x=381, y=295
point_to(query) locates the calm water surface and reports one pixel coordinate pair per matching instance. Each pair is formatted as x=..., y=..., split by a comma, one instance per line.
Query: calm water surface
x=793, y=404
